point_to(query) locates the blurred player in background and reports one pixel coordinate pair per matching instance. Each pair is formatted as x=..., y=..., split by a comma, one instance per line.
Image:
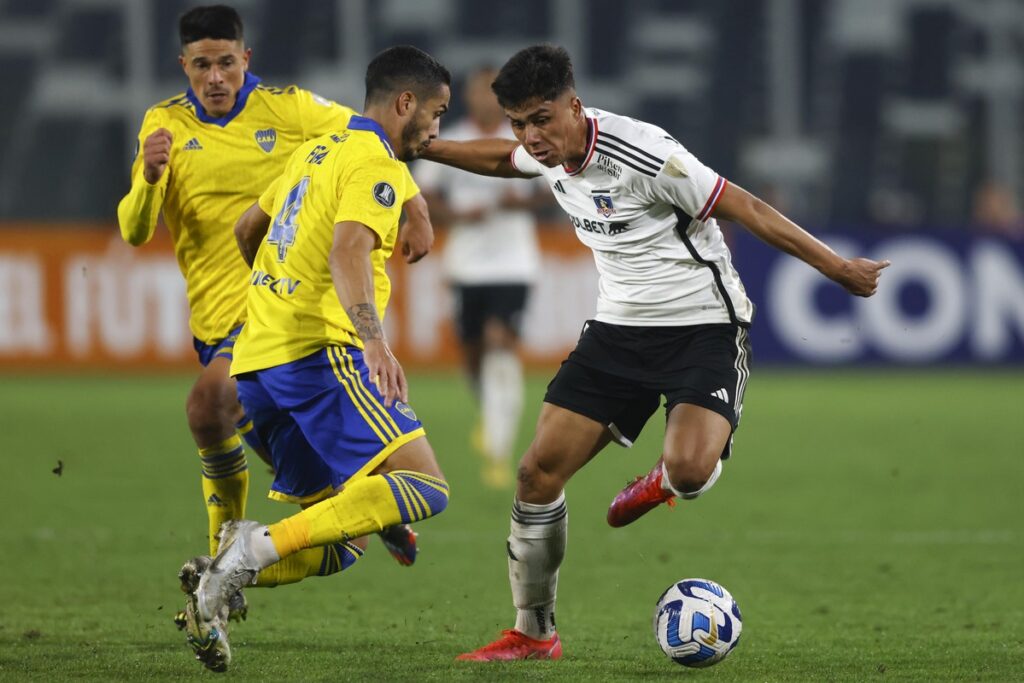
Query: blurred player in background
x=313, y=367
x=672, y=315
x=204, y=157
x=490, y=259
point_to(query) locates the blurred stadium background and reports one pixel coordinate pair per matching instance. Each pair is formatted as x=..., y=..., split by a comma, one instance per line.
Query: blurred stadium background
x=893, y=128
x=896, y=125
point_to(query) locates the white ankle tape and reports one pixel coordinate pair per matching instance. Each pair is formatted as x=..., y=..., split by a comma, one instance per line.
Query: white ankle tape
x=666, y=482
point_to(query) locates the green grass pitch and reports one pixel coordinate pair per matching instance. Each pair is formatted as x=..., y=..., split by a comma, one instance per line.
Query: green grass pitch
x=870, y=525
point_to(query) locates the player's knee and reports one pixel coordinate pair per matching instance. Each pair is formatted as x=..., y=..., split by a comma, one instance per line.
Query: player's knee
x=692, y=477
x=498, y=335
x=211, y=411
x=536, y=480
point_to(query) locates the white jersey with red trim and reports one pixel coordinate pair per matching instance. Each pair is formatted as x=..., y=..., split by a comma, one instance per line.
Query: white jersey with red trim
x=643, y=205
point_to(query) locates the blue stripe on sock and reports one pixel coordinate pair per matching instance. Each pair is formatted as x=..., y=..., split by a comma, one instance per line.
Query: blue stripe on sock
x=434, y=491
x=396, y=491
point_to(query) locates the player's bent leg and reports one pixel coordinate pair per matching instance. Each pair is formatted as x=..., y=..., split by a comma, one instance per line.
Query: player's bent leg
x=695, y=438
x=394, y=495
x=212, y=409
x=565, y=442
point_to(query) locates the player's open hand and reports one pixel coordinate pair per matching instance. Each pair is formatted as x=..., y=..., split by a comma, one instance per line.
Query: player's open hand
x=860, y=276
x=156, y=153
x=385, y=372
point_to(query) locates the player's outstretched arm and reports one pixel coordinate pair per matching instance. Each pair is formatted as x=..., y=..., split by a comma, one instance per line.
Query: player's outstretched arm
x=491, y=157
x=352, y=273
x=416, y=236
x=138, y=211
x=250, y=230
x=857, y=276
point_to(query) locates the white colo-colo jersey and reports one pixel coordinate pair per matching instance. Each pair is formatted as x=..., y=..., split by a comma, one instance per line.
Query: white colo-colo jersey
x=501, y=247
x=643, y=204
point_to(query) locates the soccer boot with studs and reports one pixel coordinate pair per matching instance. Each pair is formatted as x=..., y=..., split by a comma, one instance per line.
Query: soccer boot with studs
x=639, y=497
x=514, y=645
x=400, y=540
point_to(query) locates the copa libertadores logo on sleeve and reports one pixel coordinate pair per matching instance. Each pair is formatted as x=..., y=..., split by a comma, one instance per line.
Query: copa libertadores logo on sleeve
x=384, y=194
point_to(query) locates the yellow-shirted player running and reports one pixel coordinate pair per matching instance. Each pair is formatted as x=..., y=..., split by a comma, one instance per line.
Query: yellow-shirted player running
x=313, y=367
x=206, y=155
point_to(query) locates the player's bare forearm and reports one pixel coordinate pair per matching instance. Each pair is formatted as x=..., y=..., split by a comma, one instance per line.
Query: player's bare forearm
x=250, y=230
x=416, y=235
x=490, y=157
x=352, y=273
x=858, y=276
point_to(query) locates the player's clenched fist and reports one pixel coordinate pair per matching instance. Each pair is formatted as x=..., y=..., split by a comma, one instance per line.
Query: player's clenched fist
x=156, y=152
x=860, y=276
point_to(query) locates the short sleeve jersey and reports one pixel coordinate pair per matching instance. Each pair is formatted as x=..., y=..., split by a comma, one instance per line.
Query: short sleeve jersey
x=643, y=205
x=292, y=306
x=218, y=168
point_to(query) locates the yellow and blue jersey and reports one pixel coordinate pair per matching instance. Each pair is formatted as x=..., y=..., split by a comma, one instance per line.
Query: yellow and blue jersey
x=292, y=307
x=218, y=168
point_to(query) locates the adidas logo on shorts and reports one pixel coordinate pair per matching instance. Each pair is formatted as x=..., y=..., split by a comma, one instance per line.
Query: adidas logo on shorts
x=721, y=394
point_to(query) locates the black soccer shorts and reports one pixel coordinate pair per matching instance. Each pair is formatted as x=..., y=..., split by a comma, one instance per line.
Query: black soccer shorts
x=617, y=374
x=476, y=304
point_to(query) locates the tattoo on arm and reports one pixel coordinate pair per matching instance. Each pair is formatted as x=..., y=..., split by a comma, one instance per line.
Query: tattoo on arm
x=366, y=321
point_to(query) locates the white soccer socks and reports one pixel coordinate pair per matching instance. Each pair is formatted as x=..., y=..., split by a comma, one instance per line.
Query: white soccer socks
x=536, y=547
x=501, y=398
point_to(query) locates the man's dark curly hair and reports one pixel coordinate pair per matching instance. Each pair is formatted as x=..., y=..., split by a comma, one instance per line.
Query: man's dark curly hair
x=540, y=71
x=218, y=22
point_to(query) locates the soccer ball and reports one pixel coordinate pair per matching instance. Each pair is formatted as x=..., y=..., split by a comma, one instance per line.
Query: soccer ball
x=697, y=623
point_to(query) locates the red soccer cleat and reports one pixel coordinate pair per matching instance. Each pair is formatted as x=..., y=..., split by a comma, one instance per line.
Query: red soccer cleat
x=638, y=498
x=400, y=540
x=514, y=645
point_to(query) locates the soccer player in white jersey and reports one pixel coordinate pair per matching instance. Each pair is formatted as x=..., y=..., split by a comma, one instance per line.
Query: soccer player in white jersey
x=672, y=315
x=490, y=261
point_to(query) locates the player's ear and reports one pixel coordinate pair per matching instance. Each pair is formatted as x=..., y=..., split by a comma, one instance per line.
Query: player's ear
x=405, y=103
x=577, y=107
x=246, y=56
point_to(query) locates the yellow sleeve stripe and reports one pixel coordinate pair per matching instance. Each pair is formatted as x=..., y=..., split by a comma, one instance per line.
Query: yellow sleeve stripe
x=369, y=394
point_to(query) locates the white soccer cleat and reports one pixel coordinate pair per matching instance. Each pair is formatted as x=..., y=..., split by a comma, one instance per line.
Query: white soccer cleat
x=208, y=607
x=207, y=638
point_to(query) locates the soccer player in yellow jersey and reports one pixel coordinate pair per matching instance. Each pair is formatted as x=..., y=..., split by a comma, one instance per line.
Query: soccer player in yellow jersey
x=313, y=366
x=206, y=155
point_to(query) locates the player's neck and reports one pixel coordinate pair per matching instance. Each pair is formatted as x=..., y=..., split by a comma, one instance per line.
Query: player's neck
x=390, y=127
x=578, y=138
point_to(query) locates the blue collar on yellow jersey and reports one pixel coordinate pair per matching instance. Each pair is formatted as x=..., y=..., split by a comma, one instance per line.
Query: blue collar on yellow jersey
x=248, y=86
x=363, y=123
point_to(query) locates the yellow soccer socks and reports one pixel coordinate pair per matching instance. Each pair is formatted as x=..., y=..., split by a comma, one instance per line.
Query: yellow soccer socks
x=225, y=484
x=363, y=507
x=324, y=561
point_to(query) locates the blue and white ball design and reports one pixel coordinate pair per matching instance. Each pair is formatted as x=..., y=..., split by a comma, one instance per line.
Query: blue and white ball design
x=697, y=623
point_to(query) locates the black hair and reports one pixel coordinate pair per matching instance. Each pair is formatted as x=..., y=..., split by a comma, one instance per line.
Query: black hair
x=540, y=71
x=217, y=22
x=402, y=68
